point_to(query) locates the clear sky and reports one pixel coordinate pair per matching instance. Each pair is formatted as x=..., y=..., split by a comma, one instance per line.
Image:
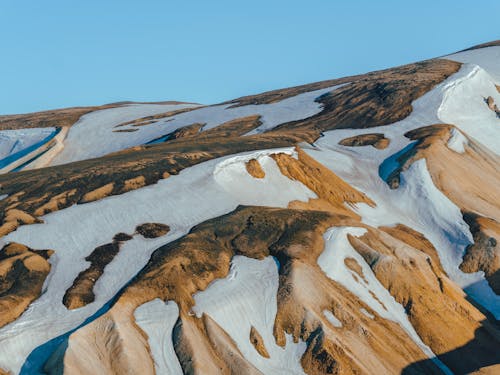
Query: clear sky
x=60, y=53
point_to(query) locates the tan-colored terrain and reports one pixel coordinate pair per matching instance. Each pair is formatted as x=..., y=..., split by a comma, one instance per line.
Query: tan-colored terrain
x=22, y=274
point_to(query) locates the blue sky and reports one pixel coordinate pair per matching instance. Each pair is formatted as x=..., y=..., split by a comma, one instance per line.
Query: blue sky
x=65, y=53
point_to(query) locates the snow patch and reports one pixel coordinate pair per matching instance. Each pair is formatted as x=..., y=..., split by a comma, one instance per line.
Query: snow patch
x=232, y=176
x=457, y=141
x=464, y=106
x=157, y=319
x=332, y=319
x=248, y=297
x=371, y=316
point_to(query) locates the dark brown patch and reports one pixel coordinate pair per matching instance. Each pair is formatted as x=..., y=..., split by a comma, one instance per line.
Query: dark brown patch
x=153, y=118
x=377, y=99
x=376, y=140
x=484, y=253
x=152, y=230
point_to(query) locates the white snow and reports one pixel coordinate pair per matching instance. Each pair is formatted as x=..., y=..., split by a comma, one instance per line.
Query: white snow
x=248, y=297
x=75, y=231
x=157, y=319
x=457, y=141
x=464, y=106
x=332, y=319
x=231, y=174
x=371, y=316
x=331, y=261
x=487, y=58
x=93, y=136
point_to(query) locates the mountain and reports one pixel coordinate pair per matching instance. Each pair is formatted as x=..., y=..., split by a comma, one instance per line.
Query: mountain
x=349, y=226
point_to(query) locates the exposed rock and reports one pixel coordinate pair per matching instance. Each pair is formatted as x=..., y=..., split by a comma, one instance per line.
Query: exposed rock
x=152, y=230
x=22, y=274
x=258, y=343
x=354, y=266
x=484, y=253
x=81, y=291
x=121, y=237
x=376, y=99
x=142, y=121
x=254, y=168
x=436, y=307
x=330, y=189
x=376, y=140
x=134, y=183
x=98, y=193
x=490, y=102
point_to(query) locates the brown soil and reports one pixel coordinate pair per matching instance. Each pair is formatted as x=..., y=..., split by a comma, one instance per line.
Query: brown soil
x=100, y=192
x=376, y=140
x=152, y=230
x=377, y=99
x=81, y=292
x=134, y=183
x=53, y=118
x=153, y=118
x=354, y=266
x=484, y=253
x=22, y=274
x=437, y=308
x=254, y=168
x=258, y=343
x=327, y=185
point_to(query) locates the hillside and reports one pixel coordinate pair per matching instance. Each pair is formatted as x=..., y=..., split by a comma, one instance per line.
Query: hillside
x=348, y=226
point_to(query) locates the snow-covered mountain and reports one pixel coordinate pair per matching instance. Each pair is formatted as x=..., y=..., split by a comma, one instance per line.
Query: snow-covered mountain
x=349, y=226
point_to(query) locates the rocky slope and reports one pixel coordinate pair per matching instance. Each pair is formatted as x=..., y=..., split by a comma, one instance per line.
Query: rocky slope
x=348, y=226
